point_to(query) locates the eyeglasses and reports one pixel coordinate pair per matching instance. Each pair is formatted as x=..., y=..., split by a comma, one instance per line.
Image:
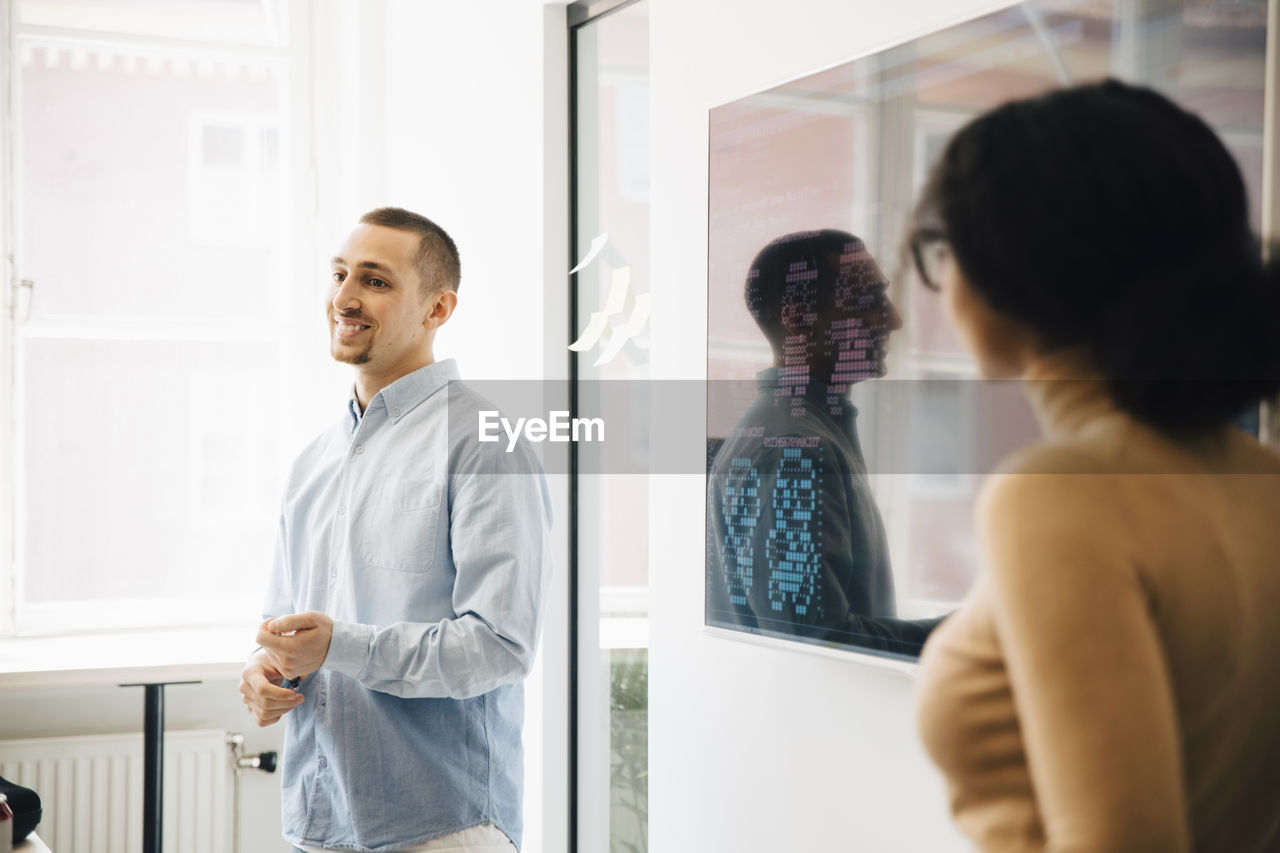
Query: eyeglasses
x=931, y=251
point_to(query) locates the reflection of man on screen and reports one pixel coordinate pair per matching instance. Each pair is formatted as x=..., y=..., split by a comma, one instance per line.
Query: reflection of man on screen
x=796, y=544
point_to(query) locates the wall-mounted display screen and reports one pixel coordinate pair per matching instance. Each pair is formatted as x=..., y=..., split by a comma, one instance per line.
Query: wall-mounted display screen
x=847, y=430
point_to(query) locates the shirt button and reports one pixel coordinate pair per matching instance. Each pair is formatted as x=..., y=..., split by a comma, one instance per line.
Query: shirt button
x=342, y=510
x=359, y=448
x=395, y=413
x=323, y=762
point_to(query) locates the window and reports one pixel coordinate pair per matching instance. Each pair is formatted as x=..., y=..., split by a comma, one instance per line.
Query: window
x=235, y=178
x=153, y=160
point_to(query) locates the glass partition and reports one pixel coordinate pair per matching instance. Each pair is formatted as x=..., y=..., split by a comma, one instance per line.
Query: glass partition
x=611, y=137
x=846, y=436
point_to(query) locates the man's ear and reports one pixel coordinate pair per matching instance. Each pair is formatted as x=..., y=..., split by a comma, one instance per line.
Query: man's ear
x=798, y=318
x=439, y=308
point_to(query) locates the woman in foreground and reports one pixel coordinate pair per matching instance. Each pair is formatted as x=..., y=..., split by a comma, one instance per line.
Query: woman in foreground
x=1112, y=682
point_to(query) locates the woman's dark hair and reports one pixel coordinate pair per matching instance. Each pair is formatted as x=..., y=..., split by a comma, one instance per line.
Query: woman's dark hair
x=1107, y=219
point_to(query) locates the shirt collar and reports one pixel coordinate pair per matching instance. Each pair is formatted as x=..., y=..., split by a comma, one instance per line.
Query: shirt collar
x=406, y=393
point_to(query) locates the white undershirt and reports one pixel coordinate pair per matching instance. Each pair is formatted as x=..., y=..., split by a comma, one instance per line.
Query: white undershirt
x=478, y=839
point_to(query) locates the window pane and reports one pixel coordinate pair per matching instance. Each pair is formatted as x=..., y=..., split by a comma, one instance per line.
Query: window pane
x=153, y=185
x=152, y=469
x=238, y=21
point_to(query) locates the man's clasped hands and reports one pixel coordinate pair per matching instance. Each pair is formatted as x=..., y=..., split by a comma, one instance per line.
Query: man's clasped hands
x=293, y=647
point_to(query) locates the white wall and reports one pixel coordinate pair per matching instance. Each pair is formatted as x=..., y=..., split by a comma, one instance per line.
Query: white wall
x=476, y=131
x=757, y=748
x=465, y=99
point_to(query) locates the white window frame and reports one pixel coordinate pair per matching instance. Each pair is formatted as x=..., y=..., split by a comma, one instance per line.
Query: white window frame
x=291, y=331
x=11, y=288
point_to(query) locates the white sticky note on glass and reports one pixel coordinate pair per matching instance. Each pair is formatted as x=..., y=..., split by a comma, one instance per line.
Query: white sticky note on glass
x=595, y=328
x=597, y=243
x=622, y=334
x=619, y=286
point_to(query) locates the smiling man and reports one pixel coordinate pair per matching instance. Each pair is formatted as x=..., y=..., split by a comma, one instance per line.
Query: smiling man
x=405, y=600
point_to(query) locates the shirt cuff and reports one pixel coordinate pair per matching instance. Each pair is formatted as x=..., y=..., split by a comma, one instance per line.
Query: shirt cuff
x=349, y=648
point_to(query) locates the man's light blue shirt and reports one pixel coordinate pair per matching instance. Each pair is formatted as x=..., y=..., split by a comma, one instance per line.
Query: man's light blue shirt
x=431, y=553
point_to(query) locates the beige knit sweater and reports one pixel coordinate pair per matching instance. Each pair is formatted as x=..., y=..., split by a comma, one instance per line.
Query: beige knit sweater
x=1112, y=680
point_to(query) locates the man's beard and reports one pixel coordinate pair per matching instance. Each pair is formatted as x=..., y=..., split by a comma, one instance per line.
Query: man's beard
x=364, y=356
x=866, y=359
x=343, y=353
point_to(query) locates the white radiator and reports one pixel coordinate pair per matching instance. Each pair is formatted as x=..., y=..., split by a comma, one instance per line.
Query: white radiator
x=91, y=790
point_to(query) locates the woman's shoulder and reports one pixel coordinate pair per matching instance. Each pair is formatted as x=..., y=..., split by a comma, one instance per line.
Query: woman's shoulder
x=1123, y=445
x=1071, y=457
x=1059, y=484
x=1111, y=479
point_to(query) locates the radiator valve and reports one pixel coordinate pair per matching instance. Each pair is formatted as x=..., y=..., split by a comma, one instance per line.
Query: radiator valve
x=264, y=761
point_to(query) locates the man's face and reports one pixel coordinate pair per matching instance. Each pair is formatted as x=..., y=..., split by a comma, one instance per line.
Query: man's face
x=860, y=320
x=377, y=313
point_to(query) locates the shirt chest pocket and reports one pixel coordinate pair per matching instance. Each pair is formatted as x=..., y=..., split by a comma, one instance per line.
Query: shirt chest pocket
x=399, y=525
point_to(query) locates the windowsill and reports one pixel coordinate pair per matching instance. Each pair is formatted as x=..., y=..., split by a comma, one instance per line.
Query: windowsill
x=78, y=660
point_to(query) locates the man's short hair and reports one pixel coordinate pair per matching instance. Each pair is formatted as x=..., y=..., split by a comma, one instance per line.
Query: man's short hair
x=437, y=260
x=798, y=272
